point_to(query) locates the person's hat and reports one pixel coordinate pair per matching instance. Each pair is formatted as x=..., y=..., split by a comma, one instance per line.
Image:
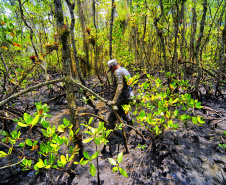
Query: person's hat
x=112, y=62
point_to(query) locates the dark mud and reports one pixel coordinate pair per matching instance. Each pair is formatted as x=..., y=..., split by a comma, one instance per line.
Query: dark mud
x=190, y=155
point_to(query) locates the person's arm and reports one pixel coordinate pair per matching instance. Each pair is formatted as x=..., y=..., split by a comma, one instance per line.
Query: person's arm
x=119, y=84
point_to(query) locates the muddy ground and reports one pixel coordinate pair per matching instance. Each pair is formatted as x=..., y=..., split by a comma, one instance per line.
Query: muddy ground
x=190, y=155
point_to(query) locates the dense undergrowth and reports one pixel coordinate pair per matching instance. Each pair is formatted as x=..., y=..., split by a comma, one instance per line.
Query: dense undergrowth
x=41, y=146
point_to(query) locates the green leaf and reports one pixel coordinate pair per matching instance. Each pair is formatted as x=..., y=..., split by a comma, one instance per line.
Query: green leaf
x=184, y=117
x=52, y=158
x=35, y=120
x=198, y=105
x=120, y=157
x=45, y=124
x=194, y=120
x=59, y=163
x=90, y=120
x=115, y=169
x=18, y=32
x=77, y=131
x=27, y=118
x=10, y=150
x=97, y=141
x=112, y=161
x=123, y=172
x=28, y=142
x=40, y=163
x=22, y=124
x=29, y=162
x=53, y=129
x=222, y=145
x=176, y=112
x=200, y=120
x=83, y=162
x=21, y=144
x=60, y=128
x=101, y=125
x=3, y=154
x=142, y=114
x=66, y=122
x=88, y=132
x=4, y=133
x=86, y=154
x=35, y=143
x=63, y=160
x=95, y=155
x=108, y=133
x=87, y=140
x=92, y=169
x=14, y=134
x=71, y=158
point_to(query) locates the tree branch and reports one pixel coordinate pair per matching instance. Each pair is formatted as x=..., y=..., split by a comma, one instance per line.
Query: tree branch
x=28, y=90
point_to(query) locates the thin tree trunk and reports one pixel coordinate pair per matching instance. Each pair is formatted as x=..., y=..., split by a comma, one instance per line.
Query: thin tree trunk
x=87, y=67
x=64, y=34
x=197, y=50
x=193, y=32
x=95, y=46
x=144, y=55
x=160, y=34
x=111, y=27
x=71, y=9
x=221, y=59
x=182, y=23
x=176, y=23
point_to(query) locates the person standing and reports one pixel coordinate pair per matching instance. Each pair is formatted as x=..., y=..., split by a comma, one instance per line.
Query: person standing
x=123, y=93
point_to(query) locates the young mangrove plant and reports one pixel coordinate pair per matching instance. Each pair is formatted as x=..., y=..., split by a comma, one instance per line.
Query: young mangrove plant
x=162, y=107
x=40, y=146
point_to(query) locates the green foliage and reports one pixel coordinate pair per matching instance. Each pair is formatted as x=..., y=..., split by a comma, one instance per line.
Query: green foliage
x=48, y=147
x=53, y=138
x=116, y=164
x=160, y=108
x=223, y=145
x=99, y=134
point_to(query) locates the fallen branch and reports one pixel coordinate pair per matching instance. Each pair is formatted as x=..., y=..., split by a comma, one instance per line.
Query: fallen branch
x=212, y=110
x=28, y=90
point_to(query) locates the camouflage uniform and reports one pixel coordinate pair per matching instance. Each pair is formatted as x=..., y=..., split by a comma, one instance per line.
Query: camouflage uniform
x=123, y=95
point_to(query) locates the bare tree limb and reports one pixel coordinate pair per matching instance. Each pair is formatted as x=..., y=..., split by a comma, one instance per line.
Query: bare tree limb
x=28, y=90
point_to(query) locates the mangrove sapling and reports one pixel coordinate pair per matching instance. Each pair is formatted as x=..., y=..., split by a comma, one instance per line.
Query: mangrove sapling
x=40, y=147
x=48, y=149
x=159, y=108
x=99, y=135
x=116, y=164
